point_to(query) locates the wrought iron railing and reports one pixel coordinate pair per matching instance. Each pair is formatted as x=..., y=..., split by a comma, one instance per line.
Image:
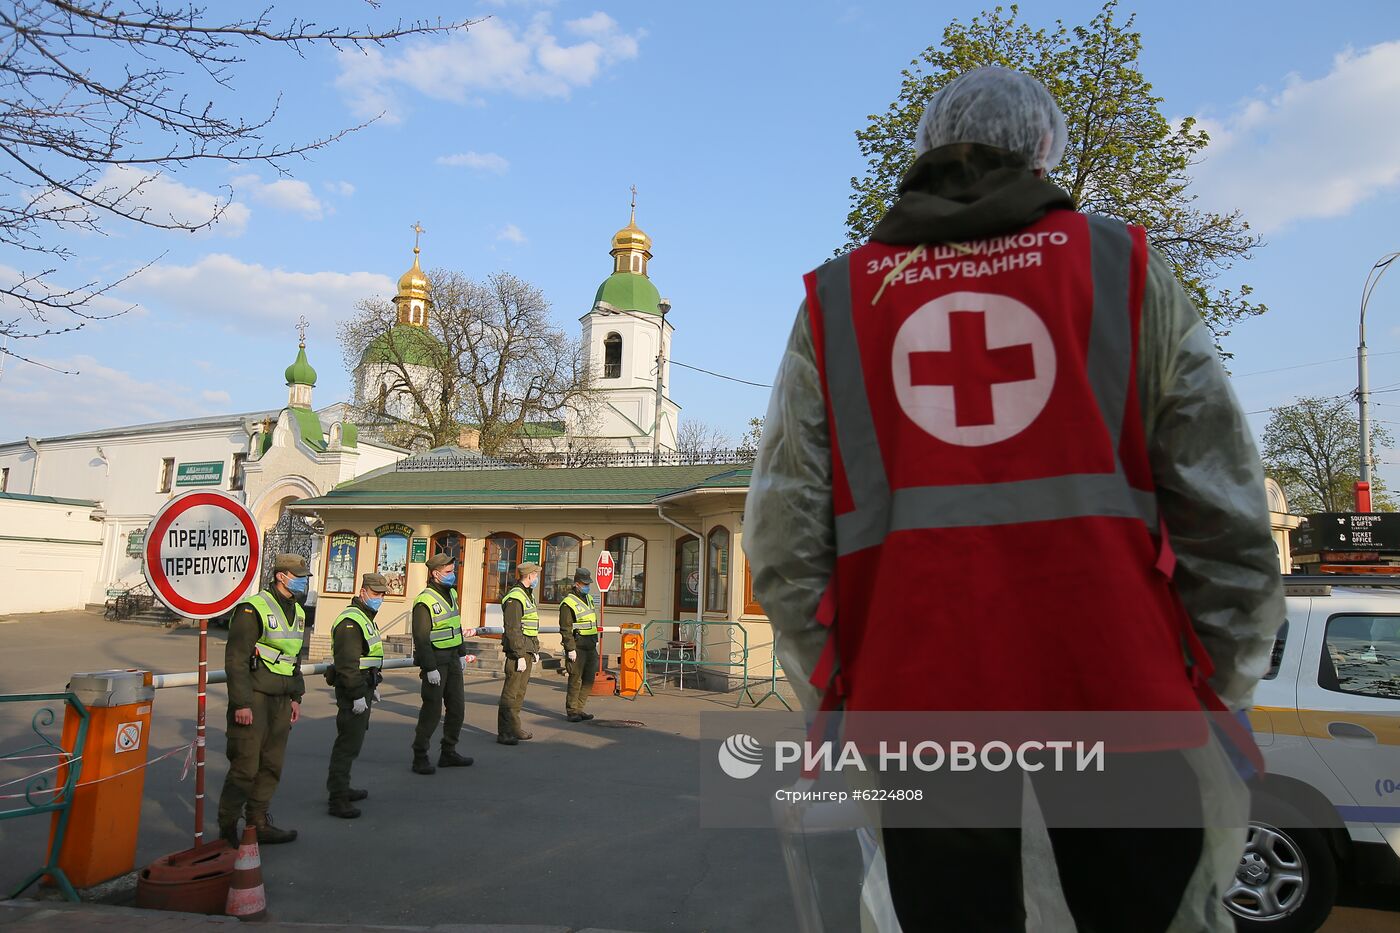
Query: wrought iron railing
x=567, y=459
x=49, y=786
x=123, y=602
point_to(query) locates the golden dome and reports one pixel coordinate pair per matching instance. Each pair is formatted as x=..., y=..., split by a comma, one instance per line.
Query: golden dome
x=631, y=237
x=413, y=283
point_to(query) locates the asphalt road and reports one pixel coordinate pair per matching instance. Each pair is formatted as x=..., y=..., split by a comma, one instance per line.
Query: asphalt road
x=585, y=826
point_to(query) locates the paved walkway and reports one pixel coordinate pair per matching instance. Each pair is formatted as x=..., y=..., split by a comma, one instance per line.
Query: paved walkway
x=24, y=916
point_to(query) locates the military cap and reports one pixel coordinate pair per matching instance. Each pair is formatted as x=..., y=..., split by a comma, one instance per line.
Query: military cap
x=440, y=560
x=527, y=568
x=294, y=564
x=583, y=575
x=375, y=583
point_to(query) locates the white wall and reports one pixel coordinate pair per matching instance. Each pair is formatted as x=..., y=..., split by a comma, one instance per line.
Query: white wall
x=49, y=556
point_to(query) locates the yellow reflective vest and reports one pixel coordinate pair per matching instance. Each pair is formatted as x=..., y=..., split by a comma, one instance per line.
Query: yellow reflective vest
x=279, y=643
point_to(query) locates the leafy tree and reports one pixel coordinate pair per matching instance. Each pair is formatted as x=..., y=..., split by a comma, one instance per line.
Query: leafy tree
x=1312, y=448
x=98, y=99
x=748, y=444
x=488, y=370
x=1124, y=158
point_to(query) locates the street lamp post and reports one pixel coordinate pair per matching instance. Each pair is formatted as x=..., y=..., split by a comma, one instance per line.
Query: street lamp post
x=1363, y=376
x=663, y=306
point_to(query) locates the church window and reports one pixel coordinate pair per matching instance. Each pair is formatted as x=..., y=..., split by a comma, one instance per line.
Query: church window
x=612, y=356
x=235, y=477
x=717, y=584
x=629, y=571
x=167, y=474
x=561, y=558
x=636, y=263
x=5, y=479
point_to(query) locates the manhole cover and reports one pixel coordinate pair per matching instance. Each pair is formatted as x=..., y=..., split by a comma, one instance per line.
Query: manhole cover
x=616, y=723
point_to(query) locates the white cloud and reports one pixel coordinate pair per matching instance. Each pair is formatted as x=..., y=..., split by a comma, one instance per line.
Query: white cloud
x=483, y=161
x=216, y=396
x=1316, y=148
x=493, y=55
x=225, y=289
x=285, y=194
x=166, y=201
x=342, y=188
x=513, y=234
x=108, y=397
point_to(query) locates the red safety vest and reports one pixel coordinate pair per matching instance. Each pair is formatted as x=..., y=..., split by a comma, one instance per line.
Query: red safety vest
x=998, y=543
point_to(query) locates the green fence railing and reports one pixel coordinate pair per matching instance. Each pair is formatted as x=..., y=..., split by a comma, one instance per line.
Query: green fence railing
x=41, y=793
x=674, y=647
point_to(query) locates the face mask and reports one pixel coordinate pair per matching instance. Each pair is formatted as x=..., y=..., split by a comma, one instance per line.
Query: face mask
x=449, y=579
x=298, y=585
x=585, y=589
x=374, y=602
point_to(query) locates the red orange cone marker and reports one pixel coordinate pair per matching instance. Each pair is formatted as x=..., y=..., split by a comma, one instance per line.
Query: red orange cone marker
x=246, y=898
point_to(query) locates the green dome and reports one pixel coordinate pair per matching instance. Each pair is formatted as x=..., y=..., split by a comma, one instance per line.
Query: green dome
x=628, y=291
x=415, y=344
x=300, y=373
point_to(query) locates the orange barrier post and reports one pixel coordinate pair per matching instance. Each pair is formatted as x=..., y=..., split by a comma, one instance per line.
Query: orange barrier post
x=100, y=843
x=247, y=900
x=630, y=670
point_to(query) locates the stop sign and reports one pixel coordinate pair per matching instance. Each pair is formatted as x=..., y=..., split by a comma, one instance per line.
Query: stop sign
x=604, y=574
x=201, y=553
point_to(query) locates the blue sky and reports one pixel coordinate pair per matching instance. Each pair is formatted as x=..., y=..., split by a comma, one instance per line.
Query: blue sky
x=515, y=146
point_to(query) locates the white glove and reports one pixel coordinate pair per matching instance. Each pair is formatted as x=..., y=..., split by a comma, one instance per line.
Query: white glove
x=434, y=677
x=520, y=664
x=462, y=662
x=377, y=697
x=361, y=706
x=535, y=656
x=573, y=655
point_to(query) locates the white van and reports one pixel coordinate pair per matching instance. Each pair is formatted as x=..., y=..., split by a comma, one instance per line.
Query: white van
x=1327, y=718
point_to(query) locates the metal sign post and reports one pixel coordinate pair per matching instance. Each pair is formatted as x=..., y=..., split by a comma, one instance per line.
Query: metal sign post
x=201, y=558
x=603, y=576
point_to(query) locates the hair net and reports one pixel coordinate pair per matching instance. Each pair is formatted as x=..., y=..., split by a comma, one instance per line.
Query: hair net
x=996, y=107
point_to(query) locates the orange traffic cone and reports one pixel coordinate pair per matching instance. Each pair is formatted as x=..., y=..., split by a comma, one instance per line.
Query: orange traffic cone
x=246, y=898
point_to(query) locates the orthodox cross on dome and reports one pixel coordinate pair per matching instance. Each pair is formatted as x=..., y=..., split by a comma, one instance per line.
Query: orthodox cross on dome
x=302, y=325
x=634, y=205
x=417, y=232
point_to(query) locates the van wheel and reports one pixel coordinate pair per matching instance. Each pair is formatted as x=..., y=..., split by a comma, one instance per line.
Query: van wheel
x=1287, y=878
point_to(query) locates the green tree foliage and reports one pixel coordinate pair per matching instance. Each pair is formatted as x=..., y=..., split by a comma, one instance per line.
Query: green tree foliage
x=1312, y=449
x=1124, y=158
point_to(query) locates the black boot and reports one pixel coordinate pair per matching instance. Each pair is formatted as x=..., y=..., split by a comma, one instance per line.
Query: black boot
x=342, y=808
x=453, y=760
x=357, y=794
x=586, y=716
x=524, y=736
x=507, y=740
x=229, y=834
x=421, y=765
x=268, y=834
x=575, y=717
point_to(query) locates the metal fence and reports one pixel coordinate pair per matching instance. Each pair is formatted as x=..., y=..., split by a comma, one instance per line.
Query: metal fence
x=568, y=459
x=41, y=793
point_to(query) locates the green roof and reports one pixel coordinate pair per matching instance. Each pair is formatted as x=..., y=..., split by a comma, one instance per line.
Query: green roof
x=300, y=372
x=50, y=500
x=310, y=426
x=629, y=291
x=580, y=486
x=414, y=344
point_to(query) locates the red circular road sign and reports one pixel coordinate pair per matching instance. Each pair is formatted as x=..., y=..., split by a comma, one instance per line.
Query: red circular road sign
x=604, y=574
x=201, y=553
